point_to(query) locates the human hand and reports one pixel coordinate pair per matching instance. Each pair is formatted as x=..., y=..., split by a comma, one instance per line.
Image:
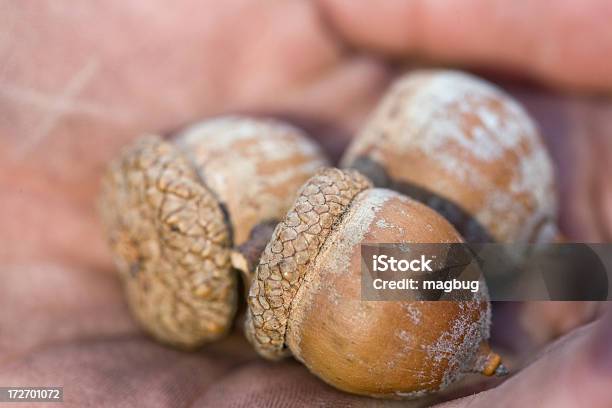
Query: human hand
x=78, y=81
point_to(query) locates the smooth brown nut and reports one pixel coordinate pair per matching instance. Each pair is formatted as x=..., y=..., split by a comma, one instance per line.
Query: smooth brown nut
x=465, y=148
x=468, y=150
x=172, y=211
x=305, y=299
x=254, y=166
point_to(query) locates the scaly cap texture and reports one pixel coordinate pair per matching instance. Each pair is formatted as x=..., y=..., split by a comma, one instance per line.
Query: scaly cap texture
x=171, y=244
x=295, y=243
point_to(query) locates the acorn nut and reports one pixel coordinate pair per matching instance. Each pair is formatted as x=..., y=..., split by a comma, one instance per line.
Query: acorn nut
x=305, y=299
x=173, y=210
x=465, y=148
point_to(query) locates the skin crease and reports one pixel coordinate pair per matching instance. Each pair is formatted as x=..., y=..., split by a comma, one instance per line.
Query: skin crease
x=78, y=81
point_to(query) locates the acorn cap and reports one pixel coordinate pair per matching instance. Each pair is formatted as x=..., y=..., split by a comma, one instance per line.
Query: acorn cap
x=321, y=203
x=171, y=244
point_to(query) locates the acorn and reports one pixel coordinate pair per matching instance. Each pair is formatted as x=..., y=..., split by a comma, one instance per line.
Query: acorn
x=464, y=148
x=253, y=166
x=305, y=299
x=173, y=211
x=467, y=149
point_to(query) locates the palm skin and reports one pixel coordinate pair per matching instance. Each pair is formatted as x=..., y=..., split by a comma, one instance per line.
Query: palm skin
x=78, y=81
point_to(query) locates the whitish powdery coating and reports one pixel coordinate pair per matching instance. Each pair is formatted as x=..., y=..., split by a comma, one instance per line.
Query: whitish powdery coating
x=254, y=166
x=441, y=113
x=456, y=346
x=464, y=331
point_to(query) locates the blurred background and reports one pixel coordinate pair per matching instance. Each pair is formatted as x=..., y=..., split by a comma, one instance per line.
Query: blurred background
x=78, y=80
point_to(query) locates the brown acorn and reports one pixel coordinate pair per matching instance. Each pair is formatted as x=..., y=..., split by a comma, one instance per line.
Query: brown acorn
x=465, y=148
x=173, y=210
x=305, y=299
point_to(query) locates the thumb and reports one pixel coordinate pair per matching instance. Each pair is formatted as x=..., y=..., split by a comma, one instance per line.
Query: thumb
x=565, y=44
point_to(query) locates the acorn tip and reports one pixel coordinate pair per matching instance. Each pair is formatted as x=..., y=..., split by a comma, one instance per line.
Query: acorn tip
x=501, y=371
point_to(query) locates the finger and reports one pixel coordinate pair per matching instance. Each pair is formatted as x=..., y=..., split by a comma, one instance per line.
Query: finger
x=566, y=43
x=547, y=320
x=600, y=355
x=603, y=156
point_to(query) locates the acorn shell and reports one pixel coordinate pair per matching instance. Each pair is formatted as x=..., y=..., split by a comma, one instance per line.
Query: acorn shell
x=254, y=166
x=171, y=245
x=465, y=148
x=312, y=307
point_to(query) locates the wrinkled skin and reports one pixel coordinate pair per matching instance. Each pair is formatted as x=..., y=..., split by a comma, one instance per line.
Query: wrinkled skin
x=78, y=80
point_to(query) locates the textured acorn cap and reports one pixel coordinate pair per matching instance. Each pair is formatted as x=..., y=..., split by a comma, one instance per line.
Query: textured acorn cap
x=295, y=243
x=171, y=244
x=465, y=148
